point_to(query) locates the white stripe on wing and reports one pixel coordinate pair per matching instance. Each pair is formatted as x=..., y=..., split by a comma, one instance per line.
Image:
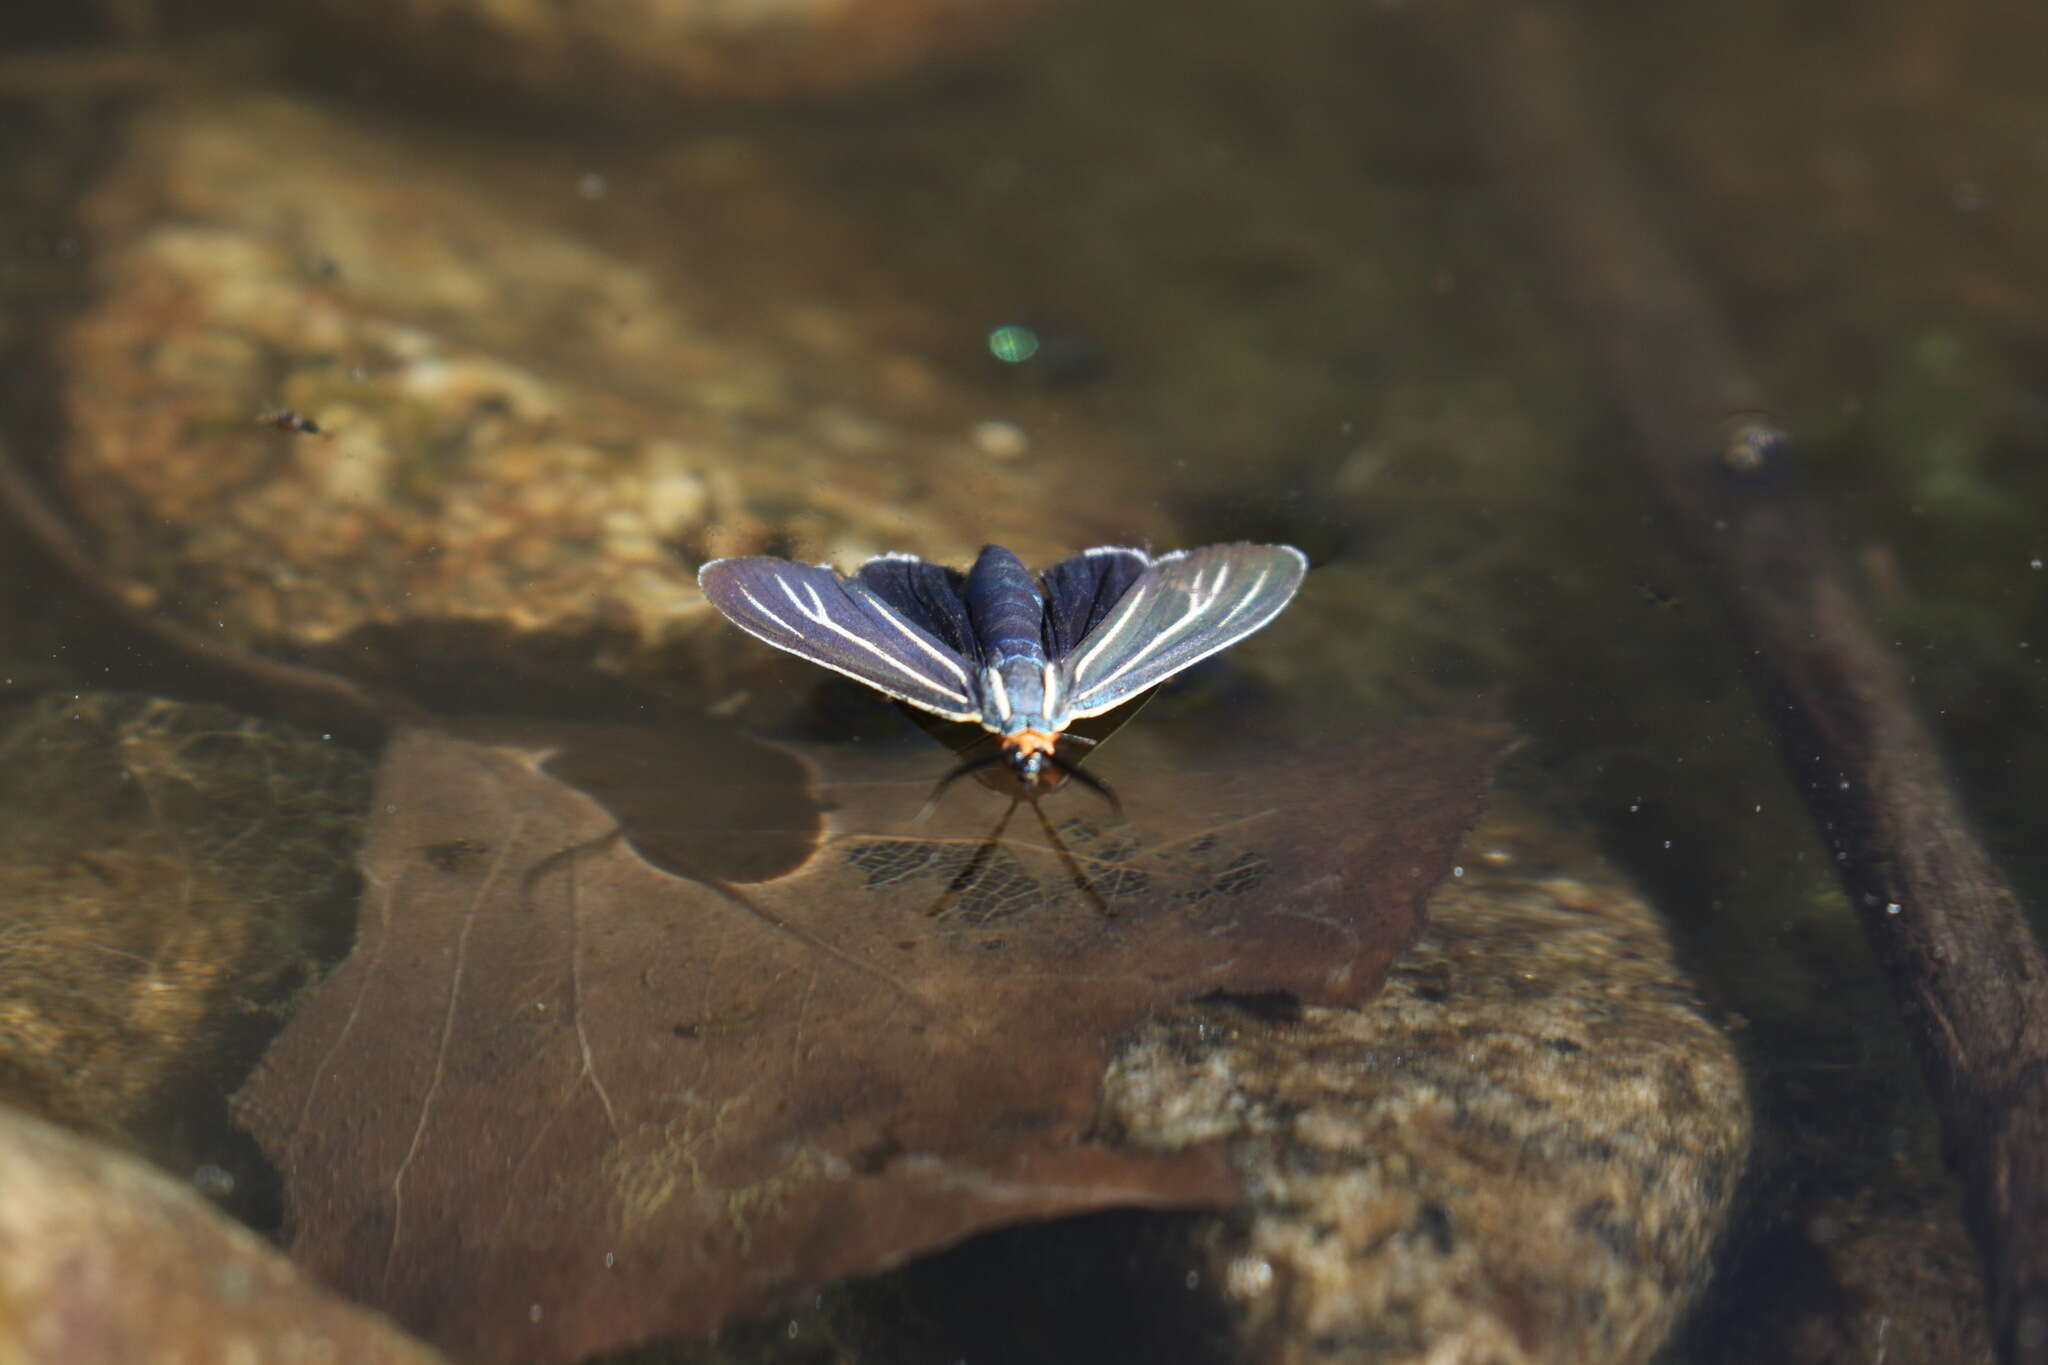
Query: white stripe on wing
x=818, y=614
x=912, y=634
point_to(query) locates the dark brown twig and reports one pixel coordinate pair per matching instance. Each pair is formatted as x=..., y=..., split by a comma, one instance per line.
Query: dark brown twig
x=178, y=661
x=1964, y=968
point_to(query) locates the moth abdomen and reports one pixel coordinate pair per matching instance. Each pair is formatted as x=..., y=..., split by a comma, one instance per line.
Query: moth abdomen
x=1004, y=604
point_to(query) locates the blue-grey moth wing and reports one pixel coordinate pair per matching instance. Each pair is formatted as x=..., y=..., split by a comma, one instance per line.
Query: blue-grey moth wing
x=1081, y=590
x=926, y=595
x=835, y=622
x=1184, y=607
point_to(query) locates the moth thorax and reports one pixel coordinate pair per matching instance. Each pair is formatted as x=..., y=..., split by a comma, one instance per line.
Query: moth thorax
x=1014, y=695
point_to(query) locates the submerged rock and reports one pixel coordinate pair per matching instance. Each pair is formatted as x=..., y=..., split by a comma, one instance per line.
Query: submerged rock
x=159, y=865
x=107, y=1261
x=1523, y=1151
x=1869, y=1286
x=331, y=383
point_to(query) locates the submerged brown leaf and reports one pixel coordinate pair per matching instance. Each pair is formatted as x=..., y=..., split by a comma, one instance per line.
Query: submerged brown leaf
x=576, y=1088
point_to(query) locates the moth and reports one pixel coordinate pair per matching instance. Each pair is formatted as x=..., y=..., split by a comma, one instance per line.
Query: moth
x=1022, y=655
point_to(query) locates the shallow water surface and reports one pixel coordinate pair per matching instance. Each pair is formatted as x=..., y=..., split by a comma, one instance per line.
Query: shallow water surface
x=440, y=371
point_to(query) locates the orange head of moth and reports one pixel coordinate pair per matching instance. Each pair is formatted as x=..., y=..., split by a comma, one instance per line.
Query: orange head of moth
x=1026, y=752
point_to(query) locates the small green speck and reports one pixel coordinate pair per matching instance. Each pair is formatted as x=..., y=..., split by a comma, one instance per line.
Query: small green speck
x=1013, y=345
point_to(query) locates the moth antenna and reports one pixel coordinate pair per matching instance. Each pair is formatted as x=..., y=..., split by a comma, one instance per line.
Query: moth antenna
x=972, y=765
x=1073, y=738
x=1092, y=783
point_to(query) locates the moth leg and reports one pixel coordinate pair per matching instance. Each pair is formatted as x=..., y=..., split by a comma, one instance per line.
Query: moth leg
x=967, y=875
x=972, y=765
x=1071, y=863
x=1092, y=783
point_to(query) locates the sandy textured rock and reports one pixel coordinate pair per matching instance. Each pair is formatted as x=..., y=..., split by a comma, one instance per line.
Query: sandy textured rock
x=636, y=53
x=107, y=1261
x=1522, y=1152
x=514, y=426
